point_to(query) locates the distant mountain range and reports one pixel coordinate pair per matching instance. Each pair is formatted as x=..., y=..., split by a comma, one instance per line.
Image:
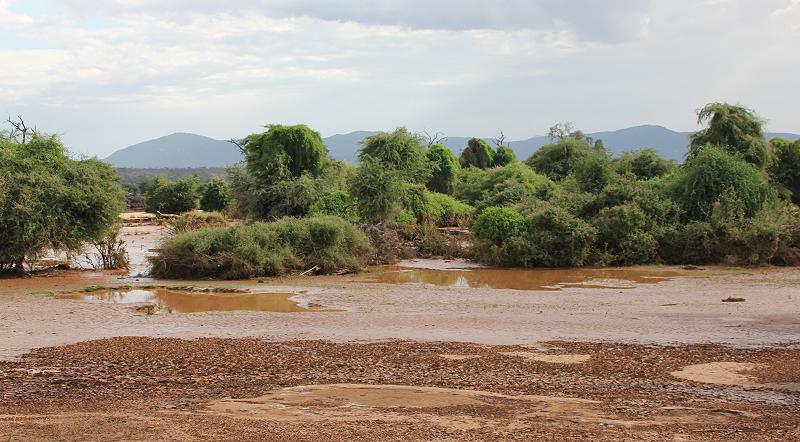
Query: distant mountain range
x=182, y=150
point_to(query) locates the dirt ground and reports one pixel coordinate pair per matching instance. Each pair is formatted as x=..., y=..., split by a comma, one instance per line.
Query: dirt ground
x=650, y=353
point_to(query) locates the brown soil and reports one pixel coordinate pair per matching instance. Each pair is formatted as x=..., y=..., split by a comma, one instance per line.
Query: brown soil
x=245, y=389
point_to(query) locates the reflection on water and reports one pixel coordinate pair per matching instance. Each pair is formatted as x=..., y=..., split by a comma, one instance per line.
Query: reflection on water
x=525, y=279
x=175, y=301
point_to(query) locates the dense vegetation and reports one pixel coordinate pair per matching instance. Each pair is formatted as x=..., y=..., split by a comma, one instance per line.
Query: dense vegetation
x=569, y=204
x=50, y=201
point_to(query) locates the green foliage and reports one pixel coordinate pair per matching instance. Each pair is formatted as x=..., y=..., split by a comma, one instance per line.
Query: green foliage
x=289, y=197
x=497, y=224
x=785, y=168
x=337, y=203
x=242, y=191
x=504, y=156
x=448, y=211
x=198, y=220
x=444, y=169
x=711, y=172
x=167, y=196
x=377, y=190
x=284, y=152
x=478, y=154
x=644, y=164
x=626, y=234
x=593, y=173
x=48, y=200
x=215, y=195
x=736, y=129
x=400, y=151
x=327, y=243
x=503, y=186
x=559, y=159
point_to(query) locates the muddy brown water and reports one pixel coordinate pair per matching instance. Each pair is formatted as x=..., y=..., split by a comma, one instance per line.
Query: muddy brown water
x=178, y=301
x=524, y=279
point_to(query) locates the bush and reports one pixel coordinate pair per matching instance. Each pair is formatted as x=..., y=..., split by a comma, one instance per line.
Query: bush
x=335, y=204
x=178, y=196
x=444, y=169
x=400, y=151
x=644, y=164
x=593, y=173
x=284, y=152
x=49, y=201
x=329, y=244
x=214, y=195
x=502, y=186
x=198, y=220
x=559, y=159
x=626, y=234
x=477, y=154
x=736, y=129
x=377, y=191
x=497, y=224
x=449, y=212
x=289, y=197
x=711, y=172
x=504, y=156
x=785, y=168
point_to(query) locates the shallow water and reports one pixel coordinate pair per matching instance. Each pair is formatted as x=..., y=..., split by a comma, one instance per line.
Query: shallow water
x=177, y=301
x=525, y=279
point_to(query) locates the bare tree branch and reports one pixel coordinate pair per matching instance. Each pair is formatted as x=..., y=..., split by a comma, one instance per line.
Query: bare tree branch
x=500, y=140
x=239, y=145
x=19, y=127
x=435, y=138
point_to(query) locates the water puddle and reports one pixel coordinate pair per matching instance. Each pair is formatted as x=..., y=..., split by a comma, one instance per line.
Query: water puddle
x=524, y=279
x=161, y=300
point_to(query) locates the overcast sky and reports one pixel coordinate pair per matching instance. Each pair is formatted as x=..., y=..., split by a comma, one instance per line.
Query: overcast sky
x=109, y=73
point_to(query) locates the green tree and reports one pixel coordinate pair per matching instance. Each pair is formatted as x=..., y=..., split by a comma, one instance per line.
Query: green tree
x=401, y=151
x=377, y=190
x=557, y=160
x=593, y=173
x=478, y=154
x=178, y=196
x=645, y=164
x=215, y=195
x=504, y=156
x=711, y=173
x=444, y=169
x=284, y=152
x=785, y=168
x=736, y=129
x=50, y=201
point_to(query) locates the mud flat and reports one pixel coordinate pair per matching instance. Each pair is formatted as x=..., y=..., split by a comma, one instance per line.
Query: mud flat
x=244, y=389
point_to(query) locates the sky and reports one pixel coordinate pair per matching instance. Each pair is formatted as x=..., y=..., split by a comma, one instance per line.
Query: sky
x=106, y=74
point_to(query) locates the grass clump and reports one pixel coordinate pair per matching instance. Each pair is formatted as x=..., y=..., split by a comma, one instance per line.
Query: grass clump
x=325, y=243
x=198, y=220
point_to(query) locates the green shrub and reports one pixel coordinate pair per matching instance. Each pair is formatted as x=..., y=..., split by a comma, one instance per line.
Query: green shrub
x=559, y=159
x=444, y=169
x=785, y=168
x=289, y=197
x=198, y=220
x=215, y=195
x=329, y=244
x=626, y=234
x=558, y=238
x=335, y=204
x=711, y=172
x=167, y=196
x=400, y=151
x=593, y=173
x=284, y=152
x=377, y=190
x=504, y=156
x=477, y=154
x=50, y=201
x=736, y=129
x=450, y=212
x=503, y=186
x=497, y=224
x=644, y=164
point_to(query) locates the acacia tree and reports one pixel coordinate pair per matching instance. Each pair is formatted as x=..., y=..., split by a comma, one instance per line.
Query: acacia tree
x=734, y=128
x=50, y=201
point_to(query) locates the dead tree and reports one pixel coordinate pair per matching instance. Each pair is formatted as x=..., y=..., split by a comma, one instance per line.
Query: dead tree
x=500, y=140
x=435, y=138
x=18, y=127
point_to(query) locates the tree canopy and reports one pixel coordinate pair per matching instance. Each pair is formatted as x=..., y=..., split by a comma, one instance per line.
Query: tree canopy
x=736, y=129
x=283, y=152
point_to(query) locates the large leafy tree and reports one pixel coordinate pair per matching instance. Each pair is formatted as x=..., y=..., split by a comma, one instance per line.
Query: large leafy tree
x=444, y=169
x=50, y=201
x=557, y=160
x=400, y=151
x=215, y=195
x=167, y=196
x=284, y=152
x=736, y=129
